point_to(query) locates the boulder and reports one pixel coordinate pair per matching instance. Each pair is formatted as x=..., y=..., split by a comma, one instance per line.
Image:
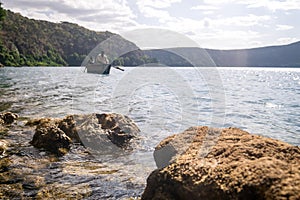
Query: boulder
x=98, y=132
x=209, y=163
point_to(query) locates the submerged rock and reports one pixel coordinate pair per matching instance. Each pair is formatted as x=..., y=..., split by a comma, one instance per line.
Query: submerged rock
x=8, y=118
x=237, y=165
x=99, y=132
x=119, y=128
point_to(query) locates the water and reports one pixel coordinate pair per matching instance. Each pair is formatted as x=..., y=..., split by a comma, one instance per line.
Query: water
x=162, y=101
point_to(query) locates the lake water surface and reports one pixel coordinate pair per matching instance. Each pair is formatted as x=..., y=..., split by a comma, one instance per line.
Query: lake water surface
x=161, y=100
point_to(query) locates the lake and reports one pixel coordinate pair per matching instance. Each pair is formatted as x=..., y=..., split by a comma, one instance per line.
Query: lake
x=161, y=100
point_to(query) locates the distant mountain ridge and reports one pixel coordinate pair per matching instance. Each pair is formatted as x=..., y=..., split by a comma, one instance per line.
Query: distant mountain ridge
x=272, y=56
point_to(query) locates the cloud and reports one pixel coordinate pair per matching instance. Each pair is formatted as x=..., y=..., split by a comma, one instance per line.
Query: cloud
x=275, y=5
x=248, y=20
x=156, y=9
x=93, y=14
x=269, y=4
x=156, y=3
x=204, y=7
x=151, y=12
x=283, y=27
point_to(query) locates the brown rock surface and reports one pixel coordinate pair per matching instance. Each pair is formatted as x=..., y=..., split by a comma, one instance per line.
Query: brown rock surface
x=50, y=137
x=206, y=163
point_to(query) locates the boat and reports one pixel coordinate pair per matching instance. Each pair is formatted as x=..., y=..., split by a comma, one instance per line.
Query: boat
x=98, y=68
x=98, y=65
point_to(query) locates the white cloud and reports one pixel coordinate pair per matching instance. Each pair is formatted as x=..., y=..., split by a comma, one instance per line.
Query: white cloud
x=151, y=12
x=283, y=27
x=156, y=3
x=275, y=5
x=204, y=7
x=272, y=5
x=93, y=14
x=248, y=20
x=156, y=9
x=219, y=2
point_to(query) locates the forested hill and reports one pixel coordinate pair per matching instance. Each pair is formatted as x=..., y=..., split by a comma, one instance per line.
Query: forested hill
x=272, y=56
x=28, y=42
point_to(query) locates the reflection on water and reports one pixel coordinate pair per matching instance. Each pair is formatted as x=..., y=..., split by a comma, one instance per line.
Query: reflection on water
x=161, y=102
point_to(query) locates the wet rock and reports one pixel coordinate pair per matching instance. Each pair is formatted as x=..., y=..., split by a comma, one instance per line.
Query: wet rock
x=119, y=128
x=107, y=133
x=48, y=136
x=8, y=118
x=58, y=191
x=68, y=126
x=101, y=132
x=206, y=163
x=3, y=147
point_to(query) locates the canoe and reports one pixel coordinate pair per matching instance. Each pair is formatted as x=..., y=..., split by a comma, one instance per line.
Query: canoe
x=98, y=68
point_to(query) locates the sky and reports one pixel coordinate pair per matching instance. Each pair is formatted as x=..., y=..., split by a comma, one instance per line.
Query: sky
x=215, y=24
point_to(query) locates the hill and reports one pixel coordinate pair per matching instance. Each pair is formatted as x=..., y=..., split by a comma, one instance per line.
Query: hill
x=272, y=56
x=28, y=42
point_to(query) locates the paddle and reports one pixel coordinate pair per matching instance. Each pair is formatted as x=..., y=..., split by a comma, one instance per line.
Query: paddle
x=118, y=68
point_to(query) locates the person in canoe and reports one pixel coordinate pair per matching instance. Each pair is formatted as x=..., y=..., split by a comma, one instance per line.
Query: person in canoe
x=102, y=58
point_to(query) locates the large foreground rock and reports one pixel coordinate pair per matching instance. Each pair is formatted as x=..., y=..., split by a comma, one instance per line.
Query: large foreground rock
x=206, y=163
x=104, y=133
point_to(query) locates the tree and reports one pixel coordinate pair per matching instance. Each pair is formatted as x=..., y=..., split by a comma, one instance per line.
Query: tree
x=2, y=12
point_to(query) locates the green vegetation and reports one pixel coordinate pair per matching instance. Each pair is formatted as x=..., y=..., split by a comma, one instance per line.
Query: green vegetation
x=2, y=12
x=28, y=42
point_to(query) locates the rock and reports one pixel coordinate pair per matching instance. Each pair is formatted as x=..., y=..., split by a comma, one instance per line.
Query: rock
x=99, y=132
x=106, y=133
x=3, y=147
x=51, y=138
x=236, y=165
x=68, y=126
x=8, y=118
x=120, y=128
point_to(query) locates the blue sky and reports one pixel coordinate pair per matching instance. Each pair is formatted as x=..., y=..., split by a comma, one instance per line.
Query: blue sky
x=218, y=24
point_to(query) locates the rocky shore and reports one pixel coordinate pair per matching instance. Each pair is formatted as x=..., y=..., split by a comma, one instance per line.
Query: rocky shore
x=66, y=158
x=238, y=165
x=200, y=163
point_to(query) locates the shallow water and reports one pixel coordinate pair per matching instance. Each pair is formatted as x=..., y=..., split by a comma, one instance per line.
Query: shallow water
x=162, y=101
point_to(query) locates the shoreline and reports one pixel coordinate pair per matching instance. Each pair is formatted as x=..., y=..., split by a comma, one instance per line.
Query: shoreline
x=231, y=149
